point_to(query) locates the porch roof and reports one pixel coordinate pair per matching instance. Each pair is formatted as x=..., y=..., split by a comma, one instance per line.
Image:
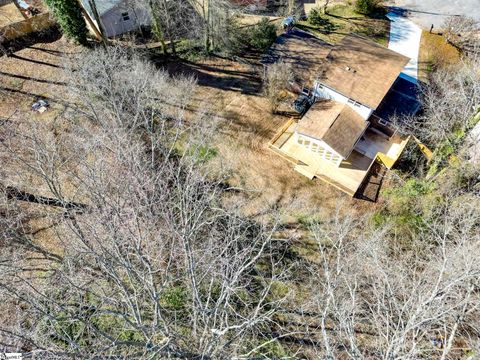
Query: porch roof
x=335, y=123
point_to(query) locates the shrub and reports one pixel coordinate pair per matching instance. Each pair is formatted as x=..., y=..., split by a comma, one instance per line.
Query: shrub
x=234, y=39
x=263, y=35
x=315, y=18
x=69, y=16
x=368, y=7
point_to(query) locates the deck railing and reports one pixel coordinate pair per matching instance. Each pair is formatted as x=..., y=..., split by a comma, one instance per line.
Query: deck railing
x=281, y=131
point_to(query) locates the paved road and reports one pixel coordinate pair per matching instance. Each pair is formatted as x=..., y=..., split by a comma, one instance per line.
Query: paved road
x=428, y=12
x=405, y=39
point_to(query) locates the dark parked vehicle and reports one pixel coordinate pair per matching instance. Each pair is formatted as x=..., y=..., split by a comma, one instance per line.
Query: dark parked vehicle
x=304, y=101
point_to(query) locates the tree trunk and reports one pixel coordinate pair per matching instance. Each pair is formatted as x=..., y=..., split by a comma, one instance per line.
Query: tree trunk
x=325, y=6
x=157, y=30
x=207, y=26
x=93, y=5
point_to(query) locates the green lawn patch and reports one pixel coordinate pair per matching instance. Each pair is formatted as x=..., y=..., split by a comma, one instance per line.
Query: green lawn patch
x=341, y=20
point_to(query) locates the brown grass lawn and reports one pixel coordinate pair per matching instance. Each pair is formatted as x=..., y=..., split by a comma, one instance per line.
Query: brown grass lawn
x=35, y=71
x=27, y=75
x=434, y=51
x=245, y=126
x=230, y=91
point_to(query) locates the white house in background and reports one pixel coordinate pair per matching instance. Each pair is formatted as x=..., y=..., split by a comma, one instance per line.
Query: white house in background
x=117, y=16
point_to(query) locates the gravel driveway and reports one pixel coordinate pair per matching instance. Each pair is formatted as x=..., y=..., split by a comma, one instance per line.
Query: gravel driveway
x=428, y=12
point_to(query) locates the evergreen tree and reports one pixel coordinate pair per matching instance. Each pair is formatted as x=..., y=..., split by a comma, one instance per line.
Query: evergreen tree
x=69, y=16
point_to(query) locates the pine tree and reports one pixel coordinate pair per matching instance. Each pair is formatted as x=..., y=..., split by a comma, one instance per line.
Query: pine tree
x=69, y=16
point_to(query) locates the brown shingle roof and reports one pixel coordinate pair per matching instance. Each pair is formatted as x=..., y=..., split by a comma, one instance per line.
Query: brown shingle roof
x=305, y=52
x=318, y=119
x=335, y=123
x=362, y=70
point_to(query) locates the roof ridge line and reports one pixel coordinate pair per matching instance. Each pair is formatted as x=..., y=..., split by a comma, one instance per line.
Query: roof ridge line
x=338, y=115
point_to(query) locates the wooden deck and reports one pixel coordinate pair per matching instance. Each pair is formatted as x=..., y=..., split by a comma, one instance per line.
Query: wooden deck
x=351, y=174
x=347, y=177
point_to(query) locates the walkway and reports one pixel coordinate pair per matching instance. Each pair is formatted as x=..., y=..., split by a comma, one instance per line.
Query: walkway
x=405, y=39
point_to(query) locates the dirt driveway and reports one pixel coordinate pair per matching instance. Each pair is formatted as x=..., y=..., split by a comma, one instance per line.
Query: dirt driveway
x=428, y=12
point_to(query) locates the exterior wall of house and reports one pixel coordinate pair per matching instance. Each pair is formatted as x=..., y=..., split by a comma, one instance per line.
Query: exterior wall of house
x=124, y=18
x=325, y=92
x=319, y=147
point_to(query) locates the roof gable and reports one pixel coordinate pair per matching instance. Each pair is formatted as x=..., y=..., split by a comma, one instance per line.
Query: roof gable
x=103, y=6
x=337, y=124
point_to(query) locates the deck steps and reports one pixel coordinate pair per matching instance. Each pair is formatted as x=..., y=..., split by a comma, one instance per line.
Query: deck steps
x=305, y=170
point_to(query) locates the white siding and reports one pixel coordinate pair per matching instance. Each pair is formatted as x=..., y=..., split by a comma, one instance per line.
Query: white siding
x=319, y=147
x=325, y=92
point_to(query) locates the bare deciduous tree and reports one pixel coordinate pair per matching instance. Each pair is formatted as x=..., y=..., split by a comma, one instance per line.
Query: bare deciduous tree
x=277, y=79
x=155, y=266
x=374, y=298
x=462, y=32
x=449, y=102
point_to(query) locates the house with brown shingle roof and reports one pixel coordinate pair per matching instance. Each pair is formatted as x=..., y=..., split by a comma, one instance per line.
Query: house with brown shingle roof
x=341, y=136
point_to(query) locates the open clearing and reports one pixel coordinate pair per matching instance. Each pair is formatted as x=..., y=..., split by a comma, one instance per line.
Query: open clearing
x=230, y=91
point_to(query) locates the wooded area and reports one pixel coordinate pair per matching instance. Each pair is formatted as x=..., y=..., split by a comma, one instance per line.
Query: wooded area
x=127, y=229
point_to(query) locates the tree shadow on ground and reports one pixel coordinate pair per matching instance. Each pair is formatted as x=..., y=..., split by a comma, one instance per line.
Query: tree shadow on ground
x=49, y=36
x=218, y=76
x=311, y=28
x=22, y=77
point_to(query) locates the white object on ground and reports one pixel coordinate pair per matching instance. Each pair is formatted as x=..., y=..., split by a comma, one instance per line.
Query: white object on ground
x=41, y=106
x=473, y=143
x=405, y=39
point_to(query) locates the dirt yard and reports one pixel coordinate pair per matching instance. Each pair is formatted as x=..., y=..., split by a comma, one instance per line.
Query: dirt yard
x=245, y=125
x=228, y=89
